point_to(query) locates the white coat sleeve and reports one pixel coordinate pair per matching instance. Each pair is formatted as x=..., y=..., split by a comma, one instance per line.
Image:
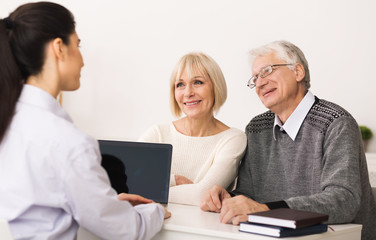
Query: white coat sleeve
x=94, y=204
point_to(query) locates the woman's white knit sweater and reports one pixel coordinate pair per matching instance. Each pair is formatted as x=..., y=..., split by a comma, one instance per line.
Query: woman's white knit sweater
x=206, y=161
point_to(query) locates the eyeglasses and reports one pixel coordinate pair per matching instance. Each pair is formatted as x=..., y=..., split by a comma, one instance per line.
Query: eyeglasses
x=264, y=72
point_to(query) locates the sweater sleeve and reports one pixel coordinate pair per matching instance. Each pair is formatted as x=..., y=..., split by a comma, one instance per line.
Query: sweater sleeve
x=222, y=171
x=340, y=179
x=152, y=134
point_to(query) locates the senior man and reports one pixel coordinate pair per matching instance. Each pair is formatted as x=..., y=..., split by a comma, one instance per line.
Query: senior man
x=304, y=153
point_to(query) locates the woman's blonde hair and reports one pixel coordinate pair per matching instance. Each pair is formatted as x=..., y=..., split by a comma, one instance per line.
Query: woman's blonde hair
x=199, y=63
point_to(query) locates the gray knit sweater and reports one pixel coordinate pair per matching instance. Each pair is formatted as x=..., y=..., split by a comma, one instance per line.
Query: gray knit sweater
x=323, y=170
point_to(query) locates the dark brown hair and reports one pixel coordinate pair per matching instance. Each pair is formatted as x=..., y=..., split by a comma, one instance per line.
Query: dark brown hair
x=23, y=37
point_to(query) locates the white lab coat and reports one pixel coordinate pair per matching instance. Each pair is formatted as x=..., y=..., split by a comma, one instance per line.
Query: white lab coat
x=51, y=179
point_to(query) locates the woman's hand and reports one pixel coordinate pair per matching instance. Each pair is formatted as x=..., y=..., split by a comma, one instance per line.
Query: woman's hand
x=213, y=198
x=182, y=180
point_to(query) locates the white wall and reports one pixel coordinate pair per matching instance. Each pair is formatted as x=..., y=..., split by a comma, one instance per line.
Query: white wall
x=131, y=46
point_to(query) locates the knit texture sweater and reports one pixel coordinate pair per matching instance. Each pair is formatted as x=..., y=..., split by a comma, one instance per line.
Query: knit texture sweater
x=324, y=170
x=206, y=161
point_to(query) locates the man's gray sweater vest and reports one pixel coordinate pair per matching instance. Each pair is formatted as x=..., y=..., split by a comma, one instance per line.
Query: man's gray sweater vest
x=324, y=170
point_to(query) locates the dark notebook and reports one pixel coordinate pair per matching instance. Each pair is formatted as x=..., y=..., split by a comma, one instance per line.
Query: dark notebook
x=288, y=218
x=274, y=231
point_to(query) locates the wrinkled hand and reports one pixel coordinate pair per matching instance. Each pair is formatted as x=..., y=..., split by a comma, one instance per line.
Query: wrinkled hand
x=182, y=180
x=237, y=208
x=134, y=199
x=213, y=198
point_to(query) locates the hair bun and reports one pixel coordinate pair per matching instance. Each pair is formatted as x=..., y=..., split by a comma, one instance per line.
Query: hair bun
x=8, y=23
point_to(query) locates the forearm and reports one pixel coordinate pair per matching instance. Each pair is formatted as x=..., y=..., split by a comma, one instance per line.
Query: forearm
x=98, y=194
x=339, y=203
x=190, y=194
x=223, y=173
x=340, y=187
x=151, y=219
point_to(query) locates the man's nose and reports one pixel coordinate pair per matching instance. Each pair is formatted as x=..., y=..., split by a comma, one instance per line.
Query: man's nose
x=262, y=82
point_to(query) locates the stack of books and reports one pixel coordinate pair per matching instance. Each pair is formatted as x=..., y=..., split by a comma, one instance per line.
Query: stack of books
x=285, y=222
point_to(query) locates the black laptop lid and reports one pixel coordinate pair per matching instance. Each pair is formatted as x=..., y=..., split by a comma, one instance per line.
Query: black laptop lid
x=147, y=166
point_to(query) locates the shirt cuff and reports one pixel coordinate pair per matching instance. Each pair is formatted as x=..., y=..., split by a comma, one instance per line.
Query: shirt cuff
x=277, y=204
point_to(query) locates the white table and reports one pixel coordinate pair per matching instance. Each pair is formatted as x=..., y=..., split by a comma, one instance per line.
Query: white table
x=189, y=223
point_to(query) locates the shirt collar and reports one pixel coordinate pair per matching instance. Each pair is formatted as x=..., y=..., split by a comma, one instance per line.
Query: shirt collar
x=39, y=98
x=295, y=121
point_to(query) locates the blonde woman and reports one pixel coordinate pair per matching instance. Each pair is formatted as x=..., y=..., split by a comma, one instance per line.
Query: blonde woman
x=206, y=151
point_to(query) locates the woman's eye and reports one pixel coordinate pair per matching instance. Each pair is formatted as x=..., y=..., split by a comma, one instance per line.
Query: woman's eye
x=198, y=82
x=179, y=85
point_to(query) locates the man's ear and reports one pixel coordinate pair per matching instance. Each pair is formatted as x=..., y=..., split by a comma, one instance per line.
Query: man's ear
x=58, y=48
x=299, y=72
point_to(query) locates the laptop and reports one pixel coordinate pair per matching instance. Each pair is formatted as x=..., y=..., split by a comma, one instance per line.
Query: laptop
x=147, y=166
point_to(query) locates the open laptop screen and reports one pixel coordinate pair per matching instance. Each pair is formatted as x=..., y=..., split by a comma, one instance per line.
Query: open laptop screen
x=147, y=166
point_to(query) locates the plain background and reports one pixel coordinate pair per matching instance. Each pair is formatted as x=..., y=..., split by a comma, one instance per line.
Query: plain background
x=131, y=46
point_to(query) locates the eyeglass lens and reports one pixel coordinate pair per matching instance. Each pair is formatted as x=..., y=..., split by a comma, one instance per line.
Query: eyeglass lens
x=266, y=71
x=263, y=73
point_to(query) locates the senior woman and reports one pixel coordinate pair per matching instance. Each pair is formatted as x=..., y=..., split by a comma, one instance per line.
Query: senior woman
x=206, y=151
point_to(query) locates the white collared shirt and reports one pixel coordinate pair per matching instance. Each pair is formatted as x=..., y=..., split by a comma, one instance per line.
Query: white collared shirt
x=51, y=179
x=295, y=121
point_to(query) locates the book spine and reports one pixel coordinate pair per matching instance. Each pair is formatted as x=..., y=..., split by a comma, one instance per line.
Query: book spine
x=320, y=228
x=310, y=222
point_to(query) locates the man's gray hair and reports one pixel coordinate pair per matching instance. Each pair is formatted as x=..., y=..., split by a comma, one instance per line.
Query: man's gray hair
x=286, y=51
